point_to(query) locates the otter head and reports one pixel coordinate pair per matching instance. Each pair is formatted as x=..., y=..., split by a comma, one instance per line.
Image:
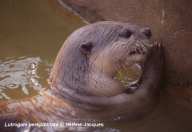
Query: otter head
x=91, y=57
x=120, y=47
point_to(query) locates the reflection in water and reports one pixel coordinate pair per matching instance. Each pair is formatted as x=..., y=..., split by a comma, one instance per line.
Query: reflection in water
x=21, y=74
x=30, y=28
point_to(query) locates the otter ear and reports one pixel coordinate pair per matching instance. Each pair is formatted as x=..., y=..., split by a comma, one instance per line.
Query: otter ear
x=86, y=48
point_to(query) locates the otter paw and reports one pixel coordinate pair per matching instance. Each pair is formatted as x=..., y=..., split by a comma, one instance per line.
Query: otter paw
x=156, y=54
x=155, y=58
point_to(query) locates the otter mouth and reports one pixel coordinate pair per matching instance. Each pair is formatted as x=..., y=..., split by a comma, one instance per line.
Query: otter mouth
x=130, y=74
x=140, y=48
x=137, y=51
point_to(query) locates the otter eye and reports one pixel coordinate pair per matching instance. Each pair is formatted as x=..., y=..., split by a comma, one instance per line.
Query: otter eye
x=126, y=34
x=147, y=32
x=86, y=48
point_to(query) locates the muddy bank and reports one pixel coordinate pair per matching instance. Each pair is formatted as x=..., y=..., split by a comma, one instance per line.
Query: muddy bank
x=170, y=21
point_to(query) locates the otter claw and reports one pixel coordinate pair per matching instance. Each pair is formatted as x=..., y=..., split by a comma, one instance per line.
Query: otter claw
x=158, y=44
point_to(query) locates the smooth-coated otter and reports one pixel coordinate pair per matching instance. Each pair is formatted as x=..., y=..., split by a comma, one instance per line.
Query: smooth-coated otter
x=83, y=84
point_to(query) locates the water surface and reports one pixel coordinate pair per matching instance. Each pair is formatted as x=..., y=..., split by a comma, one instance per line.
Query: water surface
x=31, y=33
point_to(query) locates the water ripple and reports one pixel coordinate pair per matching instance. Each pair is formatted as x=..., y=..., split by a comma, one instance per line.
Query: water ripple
x=22, y=73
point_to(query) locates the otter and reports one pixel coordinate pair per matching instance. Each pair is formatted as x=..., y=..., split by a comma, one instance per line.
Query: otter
x=83, y=83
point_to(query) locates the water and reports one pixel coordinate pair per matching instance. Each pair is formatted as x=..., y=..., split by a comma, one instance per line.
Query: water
x=31, y=33
x=22, y=76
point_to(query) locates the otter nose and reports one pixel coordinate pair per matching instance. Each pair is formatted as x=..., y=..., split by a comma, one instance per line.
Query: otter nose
x=147, y=32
